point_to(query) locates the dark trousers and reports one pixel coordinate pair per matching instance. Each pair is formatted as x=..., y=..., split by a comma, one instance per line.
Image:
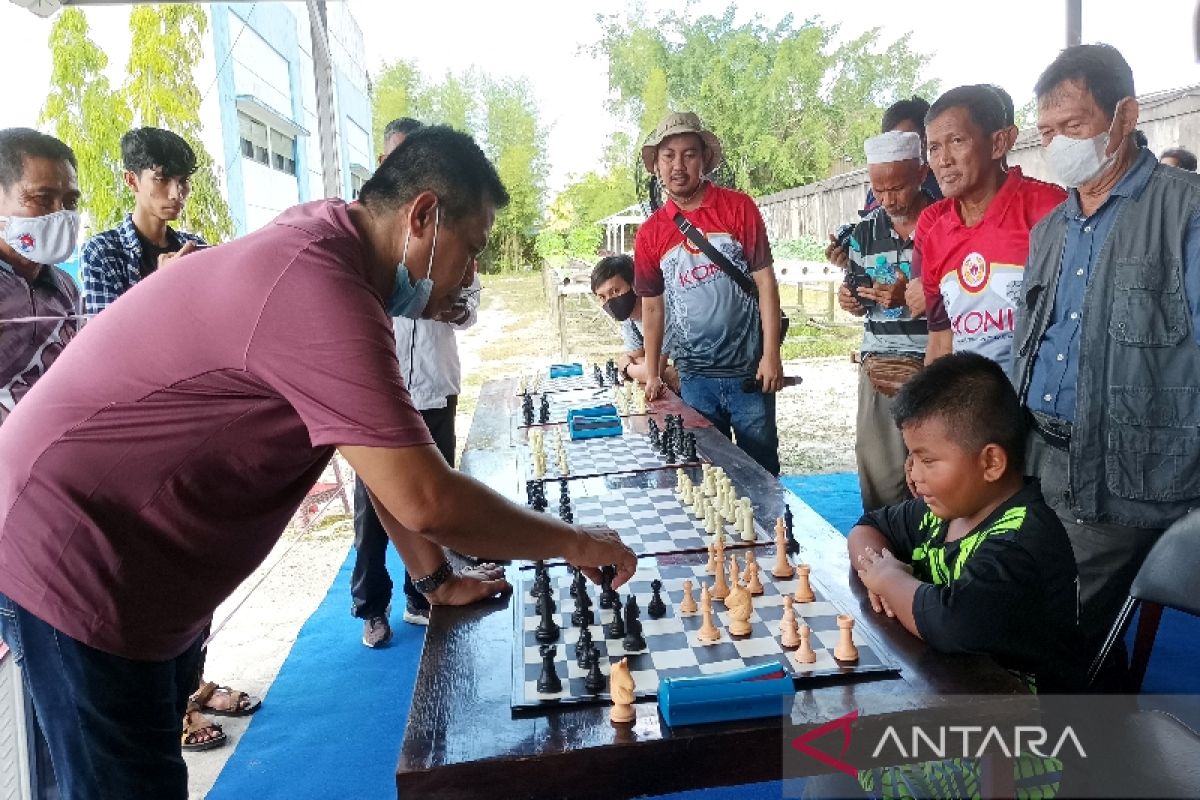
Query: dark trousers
x=1107, y=556
x=111, y=723
x=370, y=584
x=749, y=416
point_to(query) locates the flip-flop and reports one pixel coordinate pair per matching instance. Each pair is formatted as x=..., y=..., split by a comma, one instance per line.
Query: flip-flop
x=243, y=704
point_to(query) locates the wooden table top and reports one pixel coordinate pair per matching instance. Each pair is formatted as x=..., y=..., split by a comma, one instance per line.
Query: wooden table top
x=462, y=740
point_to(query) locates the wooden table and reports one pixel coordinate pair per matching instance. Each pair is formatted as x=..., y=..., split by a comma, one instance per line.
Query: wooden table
x=461, y=740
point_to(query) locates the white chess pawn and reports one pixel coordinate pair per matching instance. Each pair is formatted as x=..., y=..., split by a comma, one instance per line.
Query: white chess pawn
x=746, y=524
x=805, y=654
x=688, y=604
x=789, y=633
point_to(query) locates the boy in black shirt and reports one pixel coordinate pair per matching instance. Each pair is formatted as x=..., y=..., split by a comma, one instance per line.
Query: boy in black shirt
x=977, y=562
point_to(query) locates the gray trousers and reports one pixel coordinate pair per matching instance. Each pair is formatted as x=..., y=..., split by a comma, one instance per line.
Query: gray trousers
x=879, y=449
x=1107, y=556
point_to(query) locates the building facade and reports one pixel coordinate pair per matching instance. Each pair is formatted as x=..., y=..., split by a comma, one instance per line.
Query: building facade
x=260, y=120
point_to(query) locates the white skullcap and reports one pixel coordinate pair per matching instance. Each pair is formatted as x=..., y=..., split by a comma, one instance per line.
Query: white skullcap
x=893, y=146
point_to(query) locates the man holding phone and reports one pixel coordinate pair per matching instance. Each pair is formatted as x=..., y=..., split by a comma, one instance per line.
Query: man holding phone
x=894, y=338
x=158, y=170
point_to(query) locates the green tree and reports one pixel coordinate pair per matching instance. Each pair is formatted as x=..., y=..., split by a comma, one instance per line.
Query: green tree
x=578, y=208
x=395, y=93
x=162, y=92
x=86, y=113
x=515, y=141
x=786, y=100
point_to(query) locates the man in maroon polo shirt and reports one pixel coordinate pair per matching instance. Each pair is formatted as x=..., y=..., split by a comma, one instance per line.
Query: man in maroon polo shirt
x=152, y=470
x=970, y=248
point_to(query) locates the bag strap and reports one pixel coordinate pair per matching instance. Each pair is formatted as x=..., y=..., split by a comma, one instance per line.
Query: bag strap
x=693, y=235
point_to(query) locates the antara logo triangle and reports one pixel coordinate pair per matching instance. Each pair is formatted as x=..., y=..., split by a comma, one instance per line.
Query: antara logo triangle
x=843, y=723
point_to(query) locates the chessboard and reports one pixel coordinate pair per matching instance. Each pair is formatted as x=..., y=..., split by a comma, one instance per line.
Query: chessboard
x=653, y=521
x=671, y=646
x=605, y=455
x=596, y=377
x=562, y=403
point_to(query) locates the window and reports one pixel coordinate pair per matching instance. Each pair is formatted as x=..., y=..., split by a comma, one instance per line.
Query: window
x=283, y=152
x=356, y=184
x=267, y=146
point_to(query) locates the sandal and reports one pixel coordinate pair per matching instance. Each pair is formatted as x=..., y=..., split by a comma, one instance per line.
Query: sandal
x=240, y=705
x=195, y=723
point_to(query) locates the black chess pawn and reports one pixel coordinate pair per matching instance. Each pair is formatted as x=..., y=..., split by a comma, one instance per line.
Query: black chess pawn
x=608, y=595
x=689, y=447
x=582, y=616
x=576, y=580
x=548, y=682
x=656, y=608
x=793, y=546
x=669, y=451
x=527, y=415
x=547, y=629
x=606, y=590
x=584, y=647
x=616, y=628
x=544, y=411
x=595, y=682
x=633, y=641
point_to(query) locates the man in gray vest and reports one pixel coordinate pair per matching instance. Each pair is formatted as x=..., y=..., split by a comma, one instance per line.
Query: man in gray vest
x=1107, y=349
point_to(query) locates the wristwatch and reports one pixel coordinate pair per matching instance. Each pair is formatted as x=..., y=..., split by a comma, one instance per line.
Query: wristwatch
x=431, y=582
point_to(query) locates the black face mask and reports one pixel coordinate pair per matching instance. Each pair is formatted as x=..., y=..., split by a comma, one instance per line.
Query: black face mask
x=621, y=306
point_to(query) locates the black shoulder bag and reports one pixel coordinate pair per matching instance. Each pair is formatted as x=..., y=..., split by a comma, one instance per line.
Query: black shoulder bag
x=746, y=284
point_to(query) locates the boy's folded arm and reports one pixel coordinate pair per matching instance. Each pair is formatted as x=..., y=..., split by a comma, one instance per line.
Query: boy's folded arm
x=981, y=610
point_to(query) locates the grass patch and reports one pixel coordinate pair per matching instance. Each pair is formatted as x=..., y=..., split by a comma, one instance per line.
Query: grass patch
x=807, y=340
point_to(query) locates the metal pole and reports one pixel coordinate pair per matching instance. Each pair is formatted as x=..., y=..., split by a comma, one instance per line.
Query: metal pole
x=326, y=111
x=1074, y=22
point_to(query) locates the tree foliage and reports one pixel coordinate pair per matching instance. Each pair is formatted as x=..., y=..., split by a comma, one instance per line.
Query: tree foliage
x=578, y=209
x=503, y=118
x=84, y=111
x=162, y=92
x=787, y=101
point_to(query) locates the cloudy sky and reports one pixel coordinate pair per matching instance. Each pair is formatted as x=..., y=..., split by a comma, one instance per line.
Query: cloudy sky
x=546, y=41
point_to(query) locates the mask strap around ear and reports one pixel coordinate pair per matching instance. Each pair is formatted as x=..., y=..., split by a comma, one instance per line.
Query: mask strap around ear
x=404, y=255
x=437, y=222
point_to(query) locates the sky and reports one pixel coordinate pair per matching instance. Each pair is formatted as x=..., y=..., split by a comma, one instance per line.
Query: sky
x=547, y=41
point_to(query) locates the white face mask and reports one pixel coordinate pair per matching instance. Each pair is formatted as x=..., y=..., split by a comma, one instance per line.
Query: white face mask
x=49, y=239
x=1080, y=161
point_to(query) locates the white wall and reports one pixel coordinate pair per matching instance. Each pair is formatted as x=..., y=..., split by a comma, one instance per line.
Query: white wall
x=268, y=192
x=258, y=69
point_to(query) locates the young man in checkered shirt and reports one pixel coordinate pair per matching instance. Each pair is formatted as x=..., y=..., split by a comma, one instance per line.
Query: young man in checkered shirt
x=158, y=169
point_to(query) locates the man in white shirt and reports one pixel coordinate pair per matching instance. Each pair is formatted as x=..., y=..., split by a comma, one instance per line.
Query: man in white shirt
x=431, y=372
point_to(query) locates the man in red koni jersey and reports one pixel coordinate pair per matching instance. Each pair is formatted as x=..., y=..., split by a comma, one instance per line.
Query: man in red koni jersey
x=970, y=248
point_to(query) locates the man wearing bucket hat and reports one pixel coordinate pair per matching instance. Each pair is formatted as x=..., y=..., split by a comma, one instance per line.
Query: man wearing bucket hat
x=705, y=255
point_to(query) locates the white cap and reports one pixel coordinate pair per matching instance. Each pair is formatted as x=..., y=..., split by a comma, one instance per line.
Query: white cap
x=893, y=146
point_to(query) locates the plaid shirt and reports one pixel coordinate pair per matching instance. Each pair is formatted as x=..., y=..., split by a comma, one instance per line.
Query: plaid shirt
x=112, y=263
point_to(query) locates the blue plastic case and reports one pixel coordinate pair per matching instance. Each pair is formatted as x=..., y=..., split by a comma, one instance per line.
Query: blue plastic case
x=740, y=694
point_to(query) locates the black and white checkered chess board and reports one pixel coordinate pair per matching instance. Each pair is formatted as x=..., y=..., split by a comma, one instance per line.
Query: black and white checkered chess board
x=672, y=646
x=652, y=521
x=605, y=455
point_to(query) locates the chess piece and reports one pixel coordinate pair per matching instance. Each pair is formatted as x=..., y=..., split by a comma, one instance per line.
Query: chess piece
x=541, y=580
x=616, y=628
x=669, y=452
x=576, y=581
x=620, y=688
x=805, y=654
x=783, y=566
x=793, y=546
x=711, y=567
x=544, y=411
x=698, y=503
x=594, y=682
x=708, y=631
x=583, y=647
x=689, y=448
x=633, y=641
x=741, y=606
x=735, y=574
x=745, y=514
x=608, y=595
x=656, y=608
x=545, y=607
x=688, y=604
x=548, y=682
x=582, y=616
x=789, y=634
x=721, y=587
x=845, y=650
x=804, y=592
x=753, y=584
x=640, y=402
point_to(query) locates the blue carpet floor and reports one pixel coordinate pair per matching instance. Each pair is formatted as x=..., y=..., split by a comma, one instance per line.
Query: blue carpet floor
x=332, y=723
